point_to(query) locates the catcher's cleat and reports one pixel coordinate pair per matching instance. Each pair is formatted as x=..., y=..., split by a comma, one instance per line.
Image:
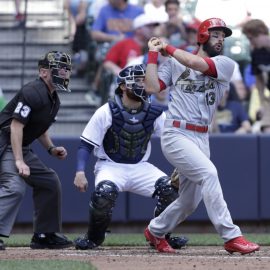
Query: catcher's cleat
x=241, y=245
x=160, y=244
x=2, y=245
x=50, y=241
x=176, y=242
x=84, y=243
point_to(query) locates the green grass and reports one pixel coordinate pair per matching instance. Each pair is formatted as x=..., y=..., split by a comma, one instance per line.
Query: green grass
x=139, y=240
x=44, y=265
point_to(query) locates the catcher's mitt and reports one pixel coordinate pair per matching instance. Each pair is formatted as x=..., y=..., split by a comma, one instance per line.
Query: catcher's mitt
x=175, y=179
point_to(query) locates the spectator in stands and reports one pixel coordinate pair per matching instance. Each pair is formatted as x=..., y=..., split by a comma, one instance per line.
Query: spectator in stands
x=95, y=8
x=3, y=101
x=19, y=16
x=77, y=14
x=174, y=28
x=77, y=11
x=234, y=13
x=258, y=34
x=156, y=8
x=238, y=83
x=253, y=98
x=191, y=44
x=231, y=116
x=128, y=49
x=113, y=24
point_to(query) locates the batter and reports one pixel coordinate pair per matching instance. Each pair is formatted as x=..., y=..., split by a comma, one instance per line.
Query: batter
x=197, y=84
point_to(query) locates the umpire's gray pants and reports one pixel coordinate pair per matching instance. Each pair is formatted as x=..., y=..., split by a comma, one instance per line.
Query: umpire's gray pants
x=46, y=193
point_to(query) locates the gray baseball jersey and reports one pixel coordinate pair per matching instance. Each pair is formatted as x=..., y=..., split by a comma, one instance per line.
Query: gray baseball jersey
x=194, y=96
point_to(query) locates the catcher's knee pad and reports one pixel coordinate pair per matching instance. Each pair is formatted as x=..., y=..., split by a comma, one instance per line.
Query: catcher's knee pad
x=100, y=211
x=165, y=193
x=104, y=196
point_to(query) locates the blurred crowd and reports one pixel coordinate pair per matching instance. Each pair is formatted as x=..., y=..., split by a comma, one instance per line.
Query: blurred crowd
x=107, y=35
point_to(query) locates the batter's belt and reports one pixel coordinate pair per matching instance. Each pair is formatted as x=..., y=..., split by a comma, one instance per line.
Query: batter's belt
x=185, y=125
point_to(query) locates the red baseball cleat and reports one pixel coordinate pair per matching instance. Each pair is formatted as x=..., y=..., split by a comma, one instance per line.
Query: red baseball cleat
x=160, y=244
x=241, y=245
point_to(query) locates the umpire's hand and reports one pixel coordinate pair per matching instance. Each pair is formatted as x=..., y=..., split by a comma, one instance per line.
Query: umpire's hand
x=59, y=151
x=80, y=181
x=23, y=169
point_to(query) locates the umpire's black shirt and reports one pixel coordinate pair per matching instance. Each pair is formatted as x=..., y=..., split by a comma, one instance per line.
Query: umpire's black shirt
x=35, y=107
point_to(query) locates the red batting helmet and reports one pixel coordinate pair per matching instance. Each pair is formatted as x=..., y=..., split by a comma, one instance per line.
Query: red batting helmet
x=212, y=23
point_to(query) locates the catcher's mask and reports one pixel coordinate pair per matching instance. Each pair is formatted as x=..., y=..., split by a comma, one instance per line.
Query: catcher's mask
x=130, y=77
x=211, y=24
x=55, y=61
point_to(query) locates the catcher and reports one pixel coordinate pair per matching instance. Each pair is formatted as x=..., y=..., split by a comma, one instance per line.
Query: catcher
x=119, y=133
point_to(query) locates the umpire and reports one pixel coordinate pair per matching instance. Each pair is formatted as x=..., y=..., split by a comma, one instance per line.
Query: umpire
x=25, y=118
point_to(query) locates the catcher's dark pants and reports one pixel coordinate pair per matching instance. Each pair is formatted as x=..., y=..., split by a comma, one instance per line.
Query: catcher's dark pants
x=46, y=193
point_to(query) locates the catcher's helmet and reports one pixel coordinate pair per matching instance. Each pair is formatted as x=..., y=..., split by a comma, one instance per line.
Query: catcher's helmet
x=209, y=24
x=128, y=76
x=55, y=60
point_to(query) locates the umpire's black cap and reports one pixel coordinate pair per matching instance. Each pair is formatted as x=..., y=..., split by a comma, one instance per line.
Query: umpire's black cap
x=52, y=57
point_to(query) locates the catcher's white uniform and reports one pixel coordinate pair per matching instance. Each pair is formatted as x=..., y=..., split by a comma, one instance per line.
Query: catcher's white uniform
x=127, y=177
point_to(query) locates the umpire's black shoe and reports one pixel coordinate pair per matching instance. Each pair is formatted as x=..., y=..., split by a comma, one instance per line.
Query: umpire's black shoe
x=50, y=241
x=2, y=245
x=176, y=242
x=84, y=243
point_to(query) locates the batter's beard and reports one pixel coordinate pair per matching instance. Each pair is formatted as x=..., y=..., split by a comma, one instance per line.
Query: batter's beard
x=210, y=50
x=132, y=96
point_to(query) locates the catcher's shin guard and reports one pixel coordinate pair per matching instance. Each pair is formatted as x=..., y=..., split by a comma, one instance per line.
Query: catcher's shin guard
x=176, y=242
x=84, y=243
x=100, y=210
x=165, y=193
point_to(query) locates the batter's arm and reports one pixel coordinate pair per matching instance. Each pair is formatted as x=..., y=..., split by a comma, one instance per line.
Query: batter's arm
x=152, y=84
x=187, y=59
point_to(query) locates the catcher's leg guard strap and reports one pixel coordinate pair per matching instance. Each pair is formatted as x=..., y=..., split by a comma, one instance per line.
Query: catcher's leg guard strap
x=165, y=194
x=176, y=242
x=100, y=210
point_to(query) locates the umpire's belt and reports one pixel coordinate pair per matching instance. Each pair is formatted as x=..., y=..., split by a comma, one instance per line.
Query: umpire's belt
x=185, y=125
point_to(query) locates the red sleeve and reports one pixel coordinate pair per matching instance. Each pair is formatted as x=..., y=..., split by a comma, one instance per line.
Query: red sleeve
x=162, y=85
x=123, y=51
x=212, y=68
x=113, y=53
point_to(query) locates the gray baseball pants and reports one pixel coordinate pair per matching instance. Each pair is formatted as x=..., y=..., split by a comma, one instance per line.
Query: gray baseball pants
x=189, y=152
x=46, y=193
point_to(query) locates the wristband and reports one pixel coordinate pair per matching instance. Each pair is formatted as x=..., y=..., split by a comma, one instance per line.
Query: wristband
x=170, y=49
x=152, y=57
x=50, y=149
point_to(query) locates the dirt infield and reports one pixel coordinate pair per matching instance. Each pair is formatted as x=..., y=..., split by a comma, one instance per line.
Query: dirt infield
x=127, y=258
